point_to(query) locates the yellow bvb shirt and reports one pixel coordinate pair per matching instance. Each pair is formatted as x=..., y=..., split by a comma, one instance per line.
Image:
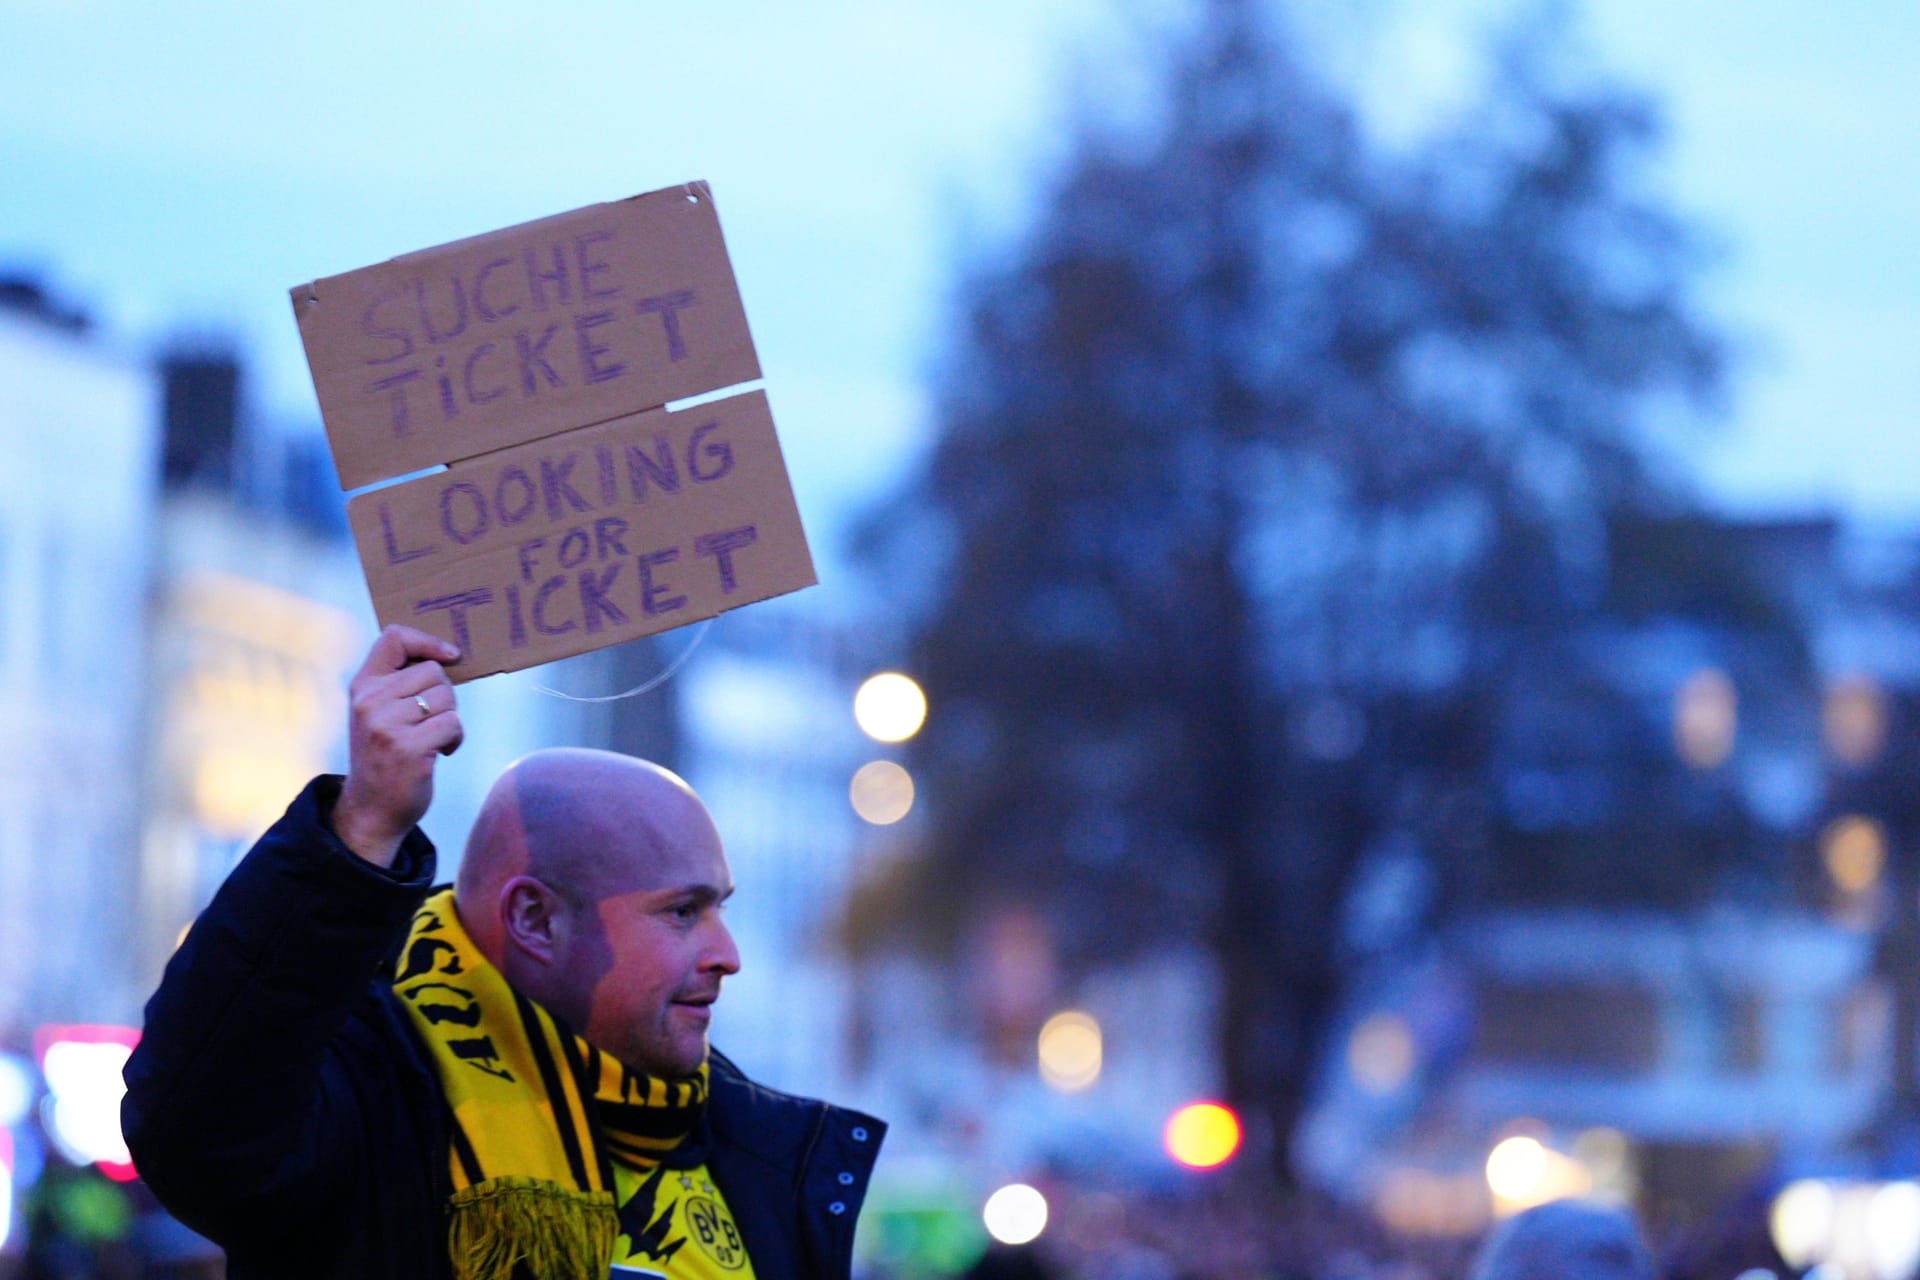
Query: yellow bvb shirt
x=674, y=1225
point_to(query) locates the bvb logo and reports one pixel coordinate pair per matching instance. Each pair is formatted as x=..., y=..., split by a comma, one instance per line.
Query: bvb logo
x=715, y=1233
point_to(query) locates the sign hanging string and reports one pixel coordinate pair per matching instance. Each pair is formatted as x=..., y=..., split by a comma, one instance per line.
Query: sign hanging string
x=651, y=684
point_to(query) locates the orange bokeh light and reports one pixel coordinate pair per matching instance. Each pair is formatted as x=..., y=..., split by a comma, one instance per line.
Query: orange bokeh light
x=1203, y=1135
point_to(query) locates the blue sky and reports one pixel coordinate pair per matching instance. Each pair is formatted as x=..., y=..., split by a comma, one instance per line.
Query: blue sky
x=177, y=167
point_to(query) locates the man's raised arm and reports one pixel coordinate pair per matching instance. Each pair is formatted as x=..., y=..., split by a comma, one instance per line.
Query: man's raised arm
x=240, y=1107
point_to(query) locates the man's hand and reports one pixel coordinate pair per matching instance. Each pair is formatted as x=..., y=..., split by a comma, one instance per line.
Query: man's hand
x=402, y=716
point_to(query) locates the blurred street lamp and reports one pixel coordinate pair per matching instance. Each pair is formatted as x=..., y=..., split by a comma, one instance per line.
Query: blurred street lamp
x=1203, y=1135
x=1015, y=1214
x=889, y=707
x=881, y=792
x=1070, y=1051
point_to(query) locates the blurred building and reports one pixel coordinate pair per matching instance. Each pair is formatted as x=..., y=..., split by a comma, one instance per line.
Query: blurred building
x=1669, y=1060
x=77, y=417
x=1675, y=1057
x=258, y=615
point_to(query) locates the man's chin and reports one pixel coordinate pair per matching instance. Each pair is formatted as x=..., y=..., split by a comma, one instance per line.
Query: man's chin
x=678, y=1061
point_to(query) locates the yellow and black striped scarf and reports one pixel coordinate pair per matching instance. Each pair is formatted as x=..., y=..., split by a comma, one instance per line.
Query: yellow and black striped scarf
x=538, y=1113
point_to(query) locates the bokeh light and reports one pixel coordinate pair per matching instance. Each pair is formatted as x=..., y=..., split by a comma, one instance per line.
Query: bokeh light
x=1854, y=850
x=1070, y=1051
x=1015, y=1214
x=1604, y=1151
x=1893, y=1230
x=1522, y=1171
x=1853, y=720
x=1516, y=1166
x=1801, y=1221
x=881, y=792
x=82, y=1067
x=889, y=707
x=1705, y=718
x=1380, y=1053
x=1203, y=1135
x=1848, y=1230
x=1607, y=1156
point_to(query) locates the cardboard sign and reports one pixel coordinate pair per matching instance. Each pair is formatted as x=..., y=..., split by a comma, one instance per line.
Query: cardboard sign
x=575, y=512
x=588, y=538
x=523, y=333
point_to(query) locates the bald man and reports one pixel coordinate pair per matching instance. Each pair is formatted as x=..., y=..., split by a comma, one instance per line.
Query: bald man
x=594, y=881
x=524, y=1090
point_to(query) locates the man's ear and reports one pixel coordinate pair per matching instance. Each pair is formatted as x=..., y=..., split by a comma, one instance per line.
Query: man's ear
x=533, y=915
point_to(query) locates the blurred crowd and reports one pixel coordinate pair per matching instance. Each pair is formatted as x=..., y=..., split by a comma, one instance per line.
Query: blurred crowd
x=1240, y=1233
x=1236, y=1233
x=78, y=1225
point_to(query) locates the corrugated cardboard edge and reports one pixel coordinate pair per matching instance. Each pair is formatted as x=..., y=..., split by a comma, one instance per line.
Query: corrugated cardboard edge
x=310, y=292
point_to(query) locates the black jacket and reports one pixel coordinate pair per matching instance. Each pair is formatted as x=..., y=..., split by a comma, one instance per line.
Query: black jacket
x=280, y=1103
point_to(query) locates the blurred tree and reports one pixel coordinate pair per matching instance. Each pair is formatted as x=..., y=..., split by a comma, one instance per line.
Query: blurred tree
x=1279, y=495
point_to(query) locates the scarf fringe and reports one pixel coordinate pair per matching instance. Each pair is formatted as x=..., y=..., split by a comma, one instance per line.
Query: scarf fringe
x=557, y=1233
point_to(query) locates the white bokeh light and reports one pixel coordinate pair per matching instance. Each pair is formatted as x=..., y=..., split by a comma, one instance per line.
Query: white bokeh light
x=1070, y=1051
x=881, y=792
x=1515, y=1168
x=1015, y=1214
x=889, y=707
x=82, y=1109
x=1801, y=1221
x=1893, y=1230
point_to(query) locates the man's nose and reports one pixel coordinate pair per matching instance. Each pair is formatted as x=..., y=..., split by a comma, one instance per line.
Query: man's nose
x=721, y=955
